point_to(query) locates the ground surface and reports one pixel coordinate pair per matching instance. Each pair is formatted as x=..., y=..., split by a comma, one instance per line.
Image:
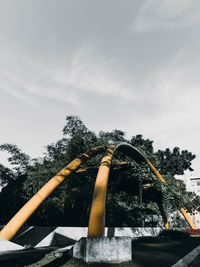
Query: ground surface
x=146, y=252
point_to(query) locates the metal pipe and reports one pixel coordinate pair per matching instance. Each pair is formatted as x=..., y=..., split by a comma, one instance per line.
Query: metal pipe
x=187, y=218
x=96, y=226
x=164, y=217
x=27, y=210
x=139, y=157
x=158, y=175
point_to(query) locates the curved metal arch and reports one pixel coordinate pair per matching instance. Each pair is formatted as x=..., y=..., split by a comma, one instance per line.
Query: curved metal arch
x=139, y=157
x=27, y=210
x=96, y=225
x=11, y=228
x=132, y=152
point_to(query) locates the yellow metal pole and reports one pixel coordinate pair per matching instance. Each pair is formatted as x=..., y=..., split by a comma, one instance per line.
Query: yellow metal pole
x=96, y=224
x=164, y=217
x=155, y=171
x=27, y=210
x=187, y=218
x=158, y=175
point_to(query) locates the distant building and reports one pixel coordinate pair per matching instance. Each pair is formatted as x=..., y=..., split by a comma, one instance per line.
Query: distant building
x=193, y=185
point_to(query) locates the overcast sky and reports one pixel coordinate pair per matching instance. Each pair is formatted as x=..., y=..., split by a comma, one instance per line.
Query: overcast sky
x=129, y=65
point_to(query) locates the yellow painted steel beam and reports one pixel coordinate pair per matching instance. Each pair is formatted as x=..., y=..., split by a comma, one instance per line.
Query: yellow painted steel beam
x=139, y=157
x=96, y=226
x=27, y=210
x=164, y=217
x=187, y=218
x=158, y=175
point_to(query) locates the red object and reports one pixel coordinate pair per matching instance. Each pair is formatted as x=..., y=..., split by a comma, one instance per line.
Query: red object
x=192, y=231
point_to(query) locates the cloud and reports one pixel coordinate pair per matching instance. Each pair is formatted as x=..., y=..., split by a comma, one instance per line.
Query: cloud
x=83, y=73
x=165, y=14
x=86, y=75
x=176, y=88
x=28, y=78
x=177, y=83
x=87, y=81
x=162, y=104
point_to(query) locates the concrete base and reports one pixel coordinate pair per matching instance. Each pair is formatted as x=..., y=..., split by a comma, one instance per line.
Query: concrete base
x=38, y=236
x=103, y=249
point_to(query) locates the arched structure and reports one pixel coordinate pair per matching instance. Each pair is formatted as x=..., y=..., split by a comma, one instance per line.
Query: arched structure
x=97, y=215
x=139, y=157
x=9, y=231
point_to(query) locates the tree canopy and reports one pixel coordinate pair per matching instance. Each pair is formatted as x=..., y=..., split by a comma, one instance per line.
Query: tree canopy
x=133, y=190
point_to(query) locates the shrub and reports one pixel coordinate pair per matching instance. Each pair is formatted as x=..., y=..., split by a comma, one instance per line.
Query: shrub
x=173, y=234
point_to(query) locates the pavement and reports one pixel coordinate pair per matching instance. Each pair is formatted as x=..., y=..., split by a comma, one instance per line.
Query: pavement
x=196, y=262
x=192, y=259
x=36, y=242
x=12, y=253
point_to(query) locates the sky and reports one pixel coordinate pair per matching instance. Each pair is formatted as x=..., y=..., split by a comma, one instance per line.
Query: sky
x=128, y=65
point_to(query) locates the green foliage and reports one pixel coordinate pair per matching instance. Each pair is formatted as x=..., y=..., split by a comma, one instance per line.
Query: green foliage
x=133, y=191
x=111, y=137
x=12, y=197
x=174, y=162
x=139, y=141
x=79, y=132
x=19, y=159
x=6, y=175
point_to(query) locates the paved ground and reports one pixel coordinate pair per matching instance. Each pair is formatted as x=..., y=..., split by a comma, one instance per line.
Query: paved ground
x=196, y=262
x=149, y=252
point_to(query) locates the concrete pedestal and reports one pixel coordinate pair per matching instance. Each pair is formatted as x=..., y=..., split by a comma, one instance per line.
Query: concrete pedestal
x=103, y=249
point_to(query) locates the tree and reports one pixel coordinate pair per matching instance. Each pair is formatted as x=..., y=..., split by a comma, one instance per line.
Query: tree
x=12, y=195
x=174, y=162
x=6, y=175
x=17, y=158
x=133, y=190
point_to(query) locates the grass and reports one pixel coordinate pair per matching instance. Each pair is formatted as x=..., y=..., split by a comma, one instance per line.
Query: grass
x=147, y=251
